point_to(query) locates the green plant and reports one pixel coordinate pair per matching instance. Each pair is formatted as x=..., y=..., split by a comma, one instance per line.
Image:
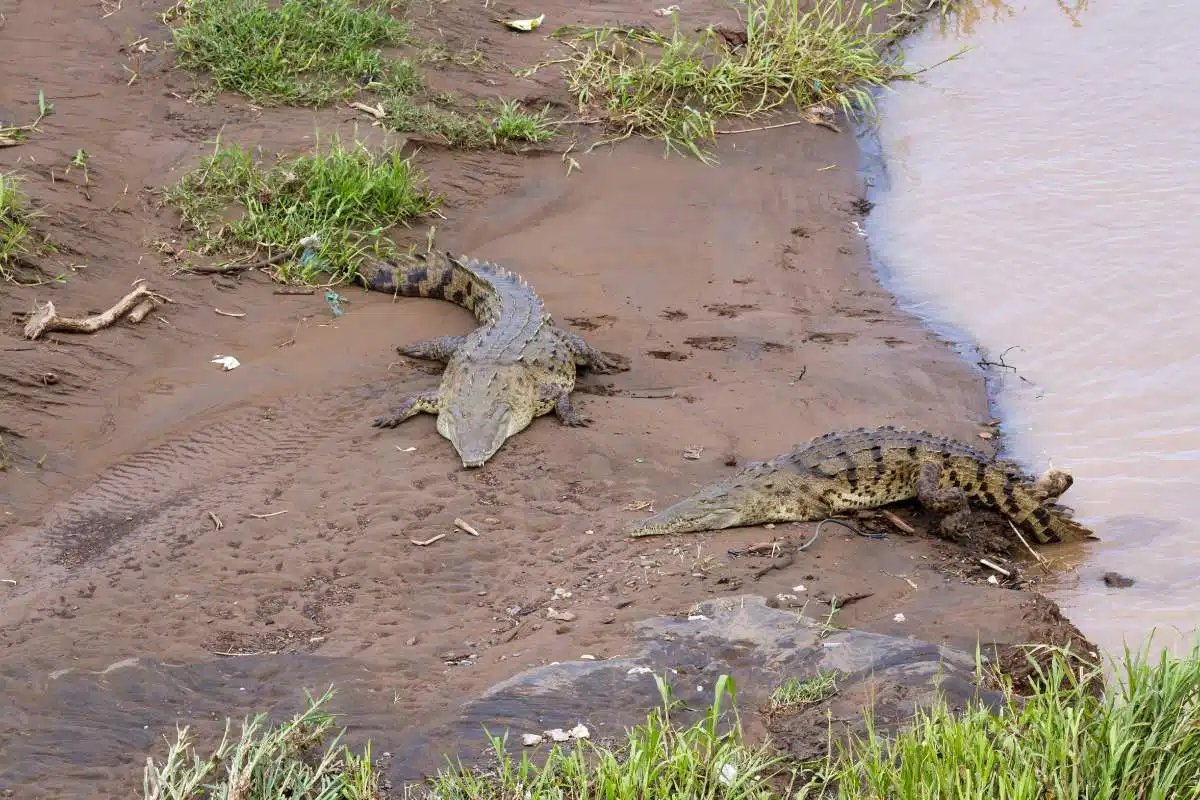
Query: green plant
x=513, y=124
x=298, y=52
x=677, y=87
x=794, y=693
x=14, y=224
x=266, y=763
x=345, y=197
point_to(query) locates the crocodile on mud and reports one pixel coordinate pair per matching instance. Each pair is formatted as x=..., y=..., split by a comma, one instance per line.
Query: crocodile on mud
x=517, y=365
x=872, y=467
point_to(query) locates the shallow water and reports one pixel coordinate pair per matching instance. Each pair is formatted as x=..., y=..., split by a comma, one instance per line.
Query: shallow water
x=1041, y=195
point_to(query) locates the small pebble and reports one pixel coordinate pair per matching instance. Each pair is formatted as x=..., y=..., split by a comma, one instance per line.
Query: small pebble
x=531, y=739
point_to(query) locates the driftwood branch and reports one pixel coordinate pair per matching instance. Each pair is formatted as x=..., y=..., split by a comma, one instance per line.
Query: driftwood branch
x=137, y=305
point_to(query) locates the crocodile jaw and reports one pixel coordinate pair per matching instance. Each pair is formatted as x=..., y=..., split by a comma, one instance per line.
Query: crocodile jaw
x=691, y=516
x=479, y=436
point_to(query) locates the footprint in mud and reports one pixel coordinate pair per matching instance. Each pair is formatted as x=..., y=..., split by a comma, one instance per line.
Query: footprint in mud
x=667, y=355
x=729, y=309
x=717, y=343
x=724, y=343
x=591, y=323
x=673, y=314
x=829, y=337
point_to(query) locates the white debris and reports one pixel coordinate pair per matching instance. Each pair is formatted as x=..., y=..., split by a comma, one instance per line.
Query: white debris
x=993, y=580
x=728, y=774
x=227, y=362
x=799, y=588
x=560, y=616
x=531, y=739
x=696, y=617
x=639, y=671
x=898, y=618
x=663, y=12
x=587, y=657
x=580, y=731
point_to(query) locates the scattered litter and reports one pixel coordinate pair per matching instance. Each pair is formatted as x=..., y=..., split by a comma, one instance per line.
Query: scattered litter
x=531, y=739
x=229, y=313
x=587, y=657
x=405, y=449
x=226, y=362
x=560, y=616
x=639, y=460
x=993, y=580
x=799, y=588
x=464, y=526
x=986, y=435
x=997, y=567
x=561, y=593
x=728, y=774
x=268, y=516
x=8, y=580
x=898, y=618
x=558, y=734
x=693, y=453
x=858, y=228
x=580, y=731
x=664, y=12
x=427, y=542
x=523, y=24
x=696, y=617
x=334, y=299
x=216, y=521
x=639, y=671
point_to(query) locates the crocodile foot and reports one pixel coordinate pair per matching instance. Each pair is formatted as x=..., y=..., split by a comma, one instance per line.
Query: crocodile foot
x=427, y=402
x=567, y=414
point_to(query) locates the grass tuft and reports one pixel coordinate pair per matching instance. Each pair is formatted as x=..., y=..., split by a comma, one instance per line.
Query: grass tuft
x=267, y=763
x=659, y=761
x=677, y=87
x=794, y=693
x=14, y=224
x=1140, y=740
x=512, y=125
x=346, y=197
x=294, y=52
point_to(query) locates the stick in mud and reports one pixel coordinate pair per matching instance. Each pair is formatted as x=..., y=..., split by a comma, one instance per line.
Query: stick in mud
x=46, y=319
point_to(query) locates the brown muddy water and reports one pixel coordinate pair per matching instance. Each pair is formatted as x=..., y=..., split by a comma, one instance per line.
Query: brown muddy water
x=1039, y=194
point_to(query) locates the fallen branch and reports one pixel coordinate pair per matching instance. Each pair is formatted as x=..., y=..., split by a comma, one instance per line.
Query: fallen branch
x=137, y=304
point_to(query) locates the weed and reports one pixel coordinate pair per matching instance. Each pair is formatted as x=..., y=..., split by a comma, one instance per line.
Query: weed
x=265, y=763
x=677, y=87
x=296, y=52
x=345, y=197
x=511, y=124
x=659, y=760
x=14, y=224
x=794, y=693
x=1140, y=740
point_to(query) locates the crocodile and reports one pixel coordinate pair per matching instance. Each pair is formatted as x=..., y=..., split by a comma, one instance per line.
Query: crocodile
x=872, y=467
x=517, y=365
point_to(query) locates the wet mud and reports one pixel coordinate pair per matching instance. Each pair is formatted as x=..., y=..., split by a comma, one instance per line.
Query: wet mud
x=250, y=529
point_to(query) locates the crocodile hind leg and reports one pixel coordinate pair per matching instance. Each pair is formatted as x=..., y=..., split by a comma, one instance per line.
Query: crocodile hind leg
x=427, y=402
x=951, y=501
x=439, y=348
x=590, y=358
x=567, y=414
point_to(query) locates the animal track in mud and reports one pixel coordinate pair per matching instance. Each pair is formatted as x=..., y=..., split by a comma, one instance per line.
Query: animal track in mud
x=591, y=323
x=162, y=484
x=667, y=355
x=717, y=343
x=673, y=314
x=829, y=337
x=730, y=309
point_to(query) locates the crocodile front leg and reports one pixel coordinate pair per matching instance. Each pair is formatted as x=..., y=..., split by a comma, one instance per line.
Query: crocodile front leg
x=427, y=402
x=439, y=348
x=590, y=358
x=951, y=501
x=567, y=414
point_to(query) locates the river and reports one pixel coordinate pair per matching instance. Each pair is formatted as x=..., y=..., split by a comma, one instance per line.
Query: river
x=1040, y=200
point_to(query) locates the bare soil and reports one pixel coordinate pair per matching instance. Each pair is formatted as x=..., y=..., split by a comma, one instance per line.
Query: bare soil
x=740, y=293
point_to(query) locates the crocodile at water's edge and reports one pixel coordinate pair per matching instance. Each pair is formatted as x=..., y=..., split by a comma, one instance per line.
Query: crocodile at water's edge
x=872, y=467
x=517, y=365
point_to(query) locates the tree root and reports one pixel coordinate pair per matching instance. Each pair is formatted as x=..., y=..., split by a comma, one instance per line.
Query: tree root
x=137, y=305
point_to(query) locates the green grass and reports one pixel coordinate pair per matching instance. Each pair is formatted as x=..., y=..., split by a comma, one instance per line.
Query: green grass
x=14, y=224
x=347, y=197
x=511, y=125
x=1140, y=740
x=794, y=693
x=678, y=87
x=295, y=52
x=659, y=760
x=291, y=760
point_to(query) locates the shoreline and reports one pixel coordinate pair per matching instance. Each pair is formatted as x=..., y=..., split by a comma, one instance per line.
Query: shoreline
x=360, y=591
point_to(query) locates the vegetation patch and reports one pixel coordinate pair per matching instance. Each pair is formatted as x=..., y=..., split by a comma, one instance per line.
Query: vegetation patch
x=266, y=763
x=294, y=52
x=510, y=125
x=346, y=198
x=677, y=87
x=795, y=693
x=15, y=234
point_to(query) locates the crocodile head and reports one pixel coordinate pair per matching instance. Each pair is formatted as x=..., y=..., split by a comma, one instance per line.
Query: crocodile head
x=728, y=504
x=477, y=423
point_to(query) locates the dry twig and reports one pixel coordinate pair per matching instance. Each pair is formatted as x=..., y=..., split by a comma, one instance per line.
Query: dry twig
x=137, y=304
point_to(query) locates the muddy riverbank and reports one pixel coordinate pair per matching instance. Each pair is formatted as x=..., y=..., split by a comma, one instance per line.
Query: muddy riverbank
x=740, y=293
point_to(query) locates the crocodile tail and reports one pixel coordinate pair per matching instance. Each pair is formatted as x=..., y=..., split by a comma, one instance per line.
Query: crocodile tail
x=473, y=285
x=1045, y=521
